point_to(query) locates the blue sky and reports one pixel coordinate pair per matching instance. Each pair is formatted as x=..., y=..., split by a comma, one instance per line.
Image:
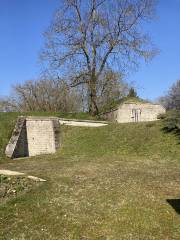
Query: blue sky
x=22, y=24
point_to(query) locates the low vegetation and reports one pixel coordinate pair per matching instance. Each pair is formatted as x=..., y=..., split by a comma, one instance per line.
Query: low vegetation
x=13, y=186
x=172, y=121
x=171, y=100
x=114, y=104
x=115, y=182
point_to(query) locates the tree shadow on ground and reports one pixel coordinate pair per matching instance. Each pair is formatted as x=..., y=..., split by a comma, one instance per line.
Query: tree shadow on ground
x=176, y=132
x=175, y=203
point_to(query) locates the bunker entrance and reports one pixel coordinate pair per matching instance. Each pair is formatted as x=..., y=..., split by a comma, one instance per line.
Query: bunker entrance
x=34, y=136
x=136, y=115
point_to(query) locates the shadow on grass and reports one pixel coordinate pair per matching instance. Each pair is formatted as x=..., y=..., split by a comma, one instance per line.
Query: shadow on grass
x=175, y=203
x=176, y=132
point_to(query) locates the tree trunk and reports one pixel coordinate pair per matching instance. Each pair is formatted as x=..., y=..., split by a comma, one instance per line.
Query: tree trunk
x=93, y=108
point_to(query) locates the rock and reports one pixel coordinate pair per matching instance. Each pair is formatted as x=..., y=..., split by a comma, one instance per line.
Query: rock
x=36, y=179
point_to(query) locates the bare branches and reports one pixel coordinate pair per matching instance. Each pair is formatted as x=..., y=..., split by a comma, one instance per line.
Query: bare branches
x=87, y=36
x=46, y=95
x=172, y=99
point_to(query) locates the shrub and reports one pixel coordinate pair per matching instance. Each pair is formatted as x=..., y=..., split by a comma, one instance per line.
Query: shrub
x=172, y=121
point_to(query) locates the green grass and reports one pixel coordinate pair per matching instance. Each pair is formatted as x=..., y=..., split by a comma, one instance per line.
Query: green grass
x=7, y=122
x=13, y=186
x=107, y=183
x=73, y=115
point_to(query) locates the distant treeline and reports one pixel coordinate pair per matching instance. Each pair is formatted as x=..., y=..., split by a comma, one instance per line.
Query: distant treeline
x=54, y=94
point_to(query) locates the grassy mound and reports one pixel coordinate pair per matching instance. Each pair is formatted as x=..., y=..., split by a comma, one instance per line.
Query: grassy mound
x=115, y=104
x=114, y=182
x=8, y=120
x=124, y=140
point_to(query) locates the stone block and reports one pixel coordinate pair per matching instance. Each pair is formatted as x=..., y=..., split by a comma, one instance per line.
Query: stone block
x=34, y=136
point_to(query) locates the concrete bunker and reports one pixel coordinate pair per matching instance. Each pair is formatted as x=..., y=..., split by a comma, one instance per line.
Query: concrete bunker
x=34, y=136
x=134, y=111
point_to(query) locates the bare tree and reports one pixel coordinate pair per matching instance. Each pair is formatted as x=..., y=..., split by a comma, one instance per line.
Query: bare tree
x=46, y=95
x=87, y=37
x=7, y=105
x=2, y=105
x=111, y=88
x=172, y=99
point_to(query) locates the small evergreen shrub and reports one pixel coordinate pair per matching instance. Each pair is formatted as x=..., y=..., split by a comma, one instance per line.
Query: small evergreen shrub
x=171, y=121
x=132, y=93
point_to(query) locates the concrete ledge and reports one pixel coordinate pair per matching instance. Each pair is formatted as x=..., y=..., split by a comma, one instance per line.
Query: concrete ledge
x=14, y=173
x=82, y=120
x=86, y=123
x=10, y=173
x=32, y=118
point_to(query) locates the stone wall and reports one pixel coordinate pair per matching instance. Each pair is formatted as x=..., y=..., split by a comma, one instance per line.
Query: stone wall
x=42, y=135
x=34, y=136
x=17, y=145
x=21, y=148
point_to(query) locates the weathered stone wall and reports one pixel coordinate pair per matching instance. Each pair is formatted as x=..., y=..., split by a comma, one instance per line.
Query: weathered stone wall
x=17, y=145
x=34, y=136
x=135, y=112
x=21, y=149
x=42, y=135
x=145, y=112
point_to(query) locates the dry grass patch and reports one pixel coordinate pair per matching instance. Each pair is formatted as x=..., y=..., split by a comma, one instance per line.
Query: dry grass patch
x=109, y=183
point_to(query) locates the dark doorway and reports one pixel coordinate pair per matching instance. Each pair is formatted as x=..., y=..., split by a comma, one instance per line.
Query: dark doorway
x=136, y=115
x=175, y=203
